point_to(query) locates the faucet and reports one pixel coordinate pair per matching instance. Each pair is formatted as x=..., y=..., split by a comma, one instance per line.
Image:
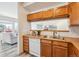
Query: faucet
x=54, y=34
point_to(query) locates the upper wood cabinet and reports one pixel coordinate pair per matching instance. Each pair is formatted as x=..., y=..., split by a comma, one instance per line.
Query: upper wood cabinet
x=30, y=17
x=61, y=11
x=74, y=13
x=34, y=16
x=43, y=15
x=48, y=14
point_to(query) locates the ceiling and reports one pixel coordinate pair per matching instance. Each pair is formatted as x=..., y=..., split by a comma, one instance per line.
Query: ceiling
x=37, y=6
x=8, y=9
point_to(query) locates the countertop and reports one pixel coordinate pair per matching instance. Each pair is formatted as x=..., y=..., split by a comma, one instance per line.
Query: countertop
x=73, y=40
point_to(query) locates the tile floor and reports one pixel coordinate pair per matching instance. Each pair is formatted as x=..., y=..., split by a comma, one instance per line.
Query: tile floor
x=25, y=55
x=7, y=50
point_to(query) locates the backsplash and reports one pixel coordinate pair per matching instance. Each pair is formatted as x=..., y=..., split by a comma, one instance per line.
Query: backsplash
x=73, y=32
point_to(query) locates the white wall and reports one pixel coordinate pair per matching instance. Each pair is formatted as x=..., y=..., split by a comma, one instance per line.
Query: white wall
x=73, y=32
x=8, y=20
x=24, y=26
x=9, y=9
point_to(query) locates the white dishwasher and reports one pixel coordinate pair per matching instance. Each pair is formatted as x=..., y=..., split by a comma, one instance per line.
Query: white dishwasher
x=34, y=46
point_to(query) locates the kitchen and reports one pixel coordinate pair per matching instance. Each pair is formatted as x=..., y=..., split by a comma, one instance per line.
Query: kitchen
x=49, y=29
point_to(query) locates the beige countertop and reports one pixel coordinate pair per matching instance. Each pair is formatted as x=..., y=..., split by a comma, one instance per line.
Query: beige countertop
x=74, y=41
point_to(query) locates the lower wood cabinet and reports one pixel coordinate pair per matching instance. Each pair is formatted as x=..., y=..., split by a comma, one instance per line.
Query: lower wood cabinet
x=70, y=50
x=25, y=44
x=59, y=51
x=53, y=48
x=73, y=51
x=45, y=48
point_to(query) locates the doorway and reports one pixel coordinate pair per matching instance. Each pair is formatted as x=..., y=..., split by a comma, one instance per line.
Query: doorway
x=8, y=39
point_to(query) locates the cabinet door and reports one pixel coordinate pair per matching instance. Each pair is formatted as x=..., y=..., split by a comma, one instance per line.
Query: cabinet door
x=48, y=14
x=61, y=12
x=39, y=16
x=76, y=52
x=71, y=50
x=45, y=50
x=29, y=17
x=32, y=17
x=74, y=13
x=59, y=51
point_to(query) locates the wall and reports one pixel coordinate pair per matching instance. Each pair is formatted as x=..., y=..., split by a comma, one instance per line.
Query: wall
x=8, y=20
x=24, y=26
x=73, y=32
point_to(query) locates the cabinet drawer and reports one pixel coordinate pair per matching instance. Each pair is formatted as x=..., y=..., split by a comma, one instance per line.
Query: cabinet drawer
x=60, y=43
x=26, y=44
x=46, y=41
x=25, y=37
x=25, y=47
x=26, y=41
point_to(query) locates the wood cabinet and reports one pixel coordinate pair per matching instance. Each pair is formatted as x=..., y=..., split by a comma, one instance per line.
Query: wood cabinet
x=32, y=17
x=42, y=15
x=61, y=12
x=70, y=50
x=54, y=48
x=73, y=51
x=60, y=49
x=25, y=44
x=29, y=17
x=45, y=48
x=49, y=14
x=76, y=51
x=74, y=13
